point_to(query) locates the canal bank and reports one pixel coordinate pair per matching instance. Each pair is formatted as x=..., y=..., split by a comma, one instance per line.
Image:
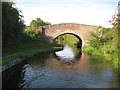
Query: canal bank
x=13, y=60
x=48, y=71
x=26, y=50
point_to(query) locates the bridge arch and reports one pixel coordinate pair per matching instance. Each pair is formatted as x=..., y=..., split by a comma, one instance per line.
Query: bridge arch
x=81, y=30
x=78, y=37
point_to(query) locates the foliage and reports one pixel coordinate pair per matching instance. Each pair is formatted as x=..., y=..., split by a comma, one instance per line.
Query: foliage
x=16, y=43
x=13, y=33
x=38, y=22
x=68, y=39
x=12, y=24
x=100, y=37
x=35, y=25
x=104, y=42
x=115, y=21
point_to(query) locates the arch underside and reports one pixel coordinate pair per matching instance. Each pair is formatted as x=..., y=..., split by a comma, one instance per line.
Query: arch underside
x=80, y=40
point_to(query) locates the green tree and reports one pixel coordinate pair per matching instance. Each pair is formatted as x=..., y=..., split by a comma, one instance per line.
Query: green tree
x=12, y=24
x=38, y=22
x=104, y=42
x=33, y=28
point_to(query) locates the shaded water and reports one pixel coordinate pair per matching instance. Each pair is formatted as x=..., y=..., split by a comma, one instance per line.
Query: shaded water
x=66, y=69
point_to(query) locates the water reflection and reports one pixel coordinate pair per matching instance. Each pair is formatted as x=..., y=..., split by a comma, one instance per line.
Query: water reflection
x=54, y=74
x=46, y=71
x=68, y=55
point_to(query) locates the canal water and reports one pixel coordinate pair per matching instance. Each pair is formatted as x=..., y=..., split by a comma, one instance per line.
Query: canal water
x=68, y=68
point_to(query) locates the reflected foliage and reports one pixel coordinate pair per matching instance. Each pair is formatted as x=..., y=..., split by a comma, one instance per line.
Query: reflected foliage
x=70, y=40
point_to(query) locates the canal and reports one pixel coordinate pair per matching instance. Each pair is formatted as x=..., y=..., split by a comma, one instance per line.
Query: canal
x=68, y=68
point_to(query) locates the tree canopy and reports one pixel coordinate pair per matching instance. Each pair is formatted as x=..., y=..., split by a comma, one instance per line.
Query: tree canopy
x=38, y=22
x=12, y=24
x=33, y=28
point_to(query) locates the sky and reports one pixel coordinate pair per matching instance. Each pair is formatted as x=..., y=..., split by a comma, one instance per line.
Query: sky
x=90, y=12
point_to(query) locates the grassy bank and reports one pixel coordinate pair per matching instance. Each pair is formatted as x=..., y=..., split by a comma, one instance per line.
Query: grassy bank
x=25, y=50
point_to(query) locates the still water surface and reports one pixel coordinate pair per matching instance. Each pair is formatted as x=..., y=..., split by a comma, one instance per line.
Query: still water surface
x=66, y=69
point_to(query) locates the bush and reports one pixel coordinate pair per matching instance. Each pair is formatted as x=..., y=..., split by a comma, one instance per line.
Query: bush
x=104, y=43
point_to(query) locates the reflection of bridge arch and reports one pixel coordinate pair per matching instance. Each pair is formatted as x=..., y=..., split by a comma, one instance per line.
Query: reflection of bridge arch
x=80, y=40
x=80, y=30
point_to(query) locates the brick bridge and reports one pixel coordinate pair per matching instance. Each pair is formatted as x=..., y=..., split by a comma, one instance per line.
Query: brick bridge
x=80, y=30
